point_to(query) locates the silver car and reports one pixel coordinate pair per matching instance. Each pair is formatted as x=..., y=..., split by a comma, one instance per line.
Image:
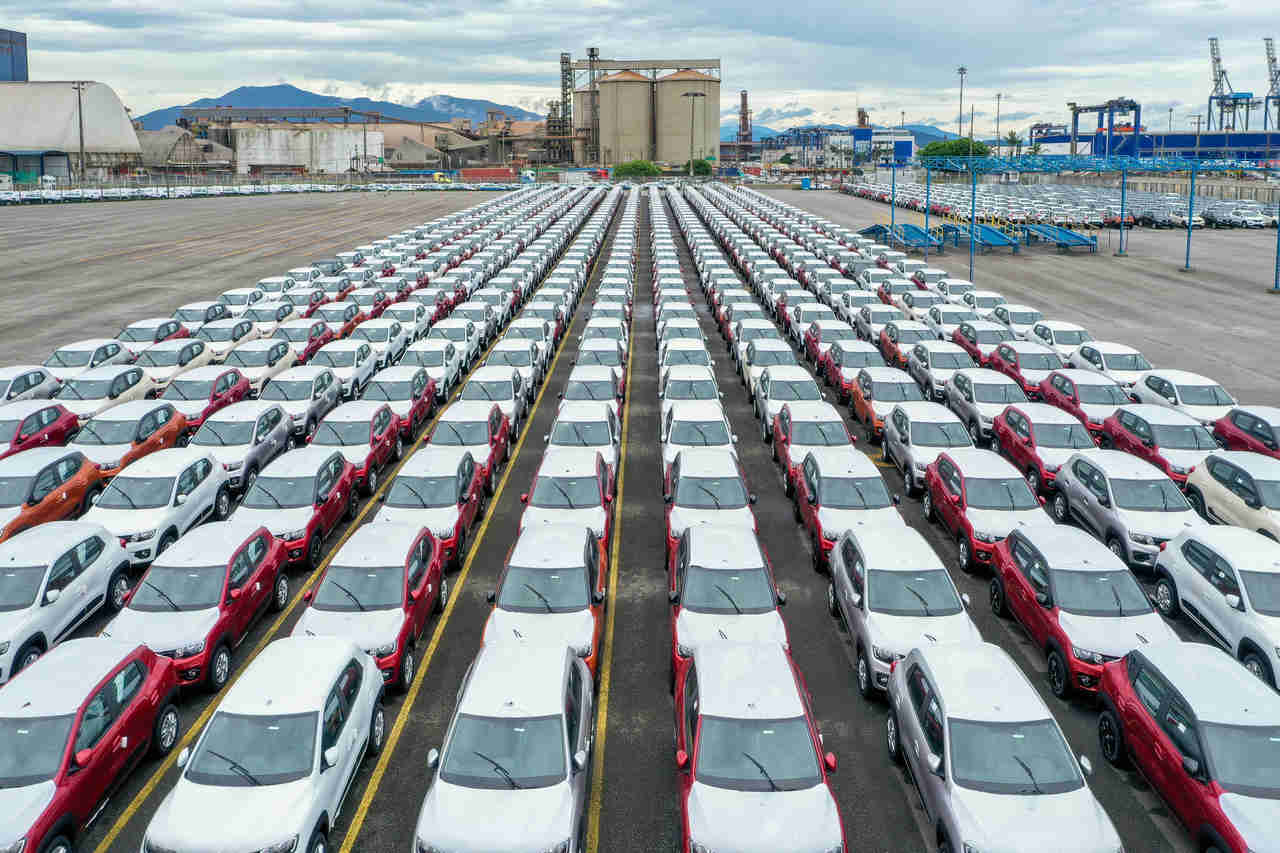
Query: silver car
x=245, y=437
x=992, y=767
x=915, y=432
x=932, y=364
x=511, y=775
x=307, y=393
x=26, y=382
x=977, y=395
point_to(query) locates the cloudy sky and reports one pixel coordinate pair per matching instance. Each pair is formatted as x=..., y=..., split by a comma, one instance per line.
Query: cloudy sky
x=814, y=62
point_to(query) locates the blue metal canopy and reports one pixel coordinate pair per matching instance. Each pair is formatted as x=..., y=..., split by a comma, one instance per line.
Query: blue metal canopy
x=1081, y=163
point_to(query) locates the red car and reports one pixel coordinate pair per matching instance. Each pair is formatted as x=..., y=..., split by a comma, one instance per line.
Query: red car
x=1255, y=428
x=980, y=338
x=439, y=302
x=307, y=335
x=441, y=488
x=1026, y=363
x=1170, y=440
x=341, y=318
x=892, y=287
x=398, y=287
x=25, y=424
x=481, y=428
x=1196, y=724
x=977, y=498
x=368, y=431
x=898, y=337
x=842, y=361
x=231, y=569
x=822, y=335
x=201, y=392
x=74, y=724
x=836, y=488
x=302, y=497
x=1089, y=396
x=1038, y=439
x=372, y=300
x=305, y=298
x=803, y=425
x=399, y=565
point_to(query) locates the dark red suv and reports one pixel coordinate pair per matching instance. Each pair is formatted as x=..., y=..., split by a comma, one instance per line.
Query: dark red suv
x=25, y=424
x=1255, y=428
x=1038, y=439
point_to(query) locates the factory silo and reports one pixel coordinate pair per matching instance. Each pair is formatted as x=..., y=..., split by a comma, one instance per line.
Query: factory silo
x=673, y=116
x=582, y=99
x=626, y=117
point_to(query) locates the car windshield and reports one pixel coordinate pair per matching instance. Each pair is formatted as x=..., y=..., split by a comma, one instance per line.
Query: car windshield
x=262, y=315
x=1039, y=361
x=822, y=433
x=243, y=750
x=1126, y=361
x=735, y=591
x=956, y=317
x=223, y=433
x=424, y=358
x=940, y=434
x=457, y=433
x=959, y=289
x=1107, y=395
x=793, y=389
x=853, y=493
x=280, y=492
x=449, y=333
x=190, y=315
x=950, y=360
x=1153, y=495
x=287, y=389
x=525, y=333
x=1007, y=493
x=31, y=749
x=1183, y=437
x=881, y=316
x=994, y=336
x=1073, y=436
x=1012, y=758
x=895, y=392
x=912, y=336
x=137, y=334
x=84, y=389
x=334, y=358
x=699, y=357
x=606, y=358
x=699, y=433
x=1025, y=318
x=1109, y=593
x=998, y=392
x=97, y=431
x=510, y=358
x=581, y=433
x=1205, y=395
x=764, y=358
x=987, y=301
x=1264, y=591
x=565, y=492
x=341, y=433
x=360, y=588
x=247, y=358
x=756, y=755
x=544, y=590
x=18, y=588
x=420, y=492
x=377, y=334
x=176, y=588
x=505, y=752
x=839, y=333
x=296, y=334
x=70, y=358
x=492, y=390
x=1243, y=759
x=14, y=490
x=927, y=592
x=136, y=493
x=711, y=493
x=189, y=389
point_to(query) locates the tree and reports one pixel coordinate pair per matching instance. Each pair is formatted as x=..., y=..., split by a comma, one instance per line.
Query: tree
x=701, y=168
x=1033, y=149
x=785, y=159
x=636, y=169
x=1014, y=141
x=954, y=148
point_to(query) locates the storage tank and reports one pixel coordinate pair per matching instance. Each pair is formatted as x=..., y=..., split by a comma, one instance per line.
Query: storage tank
x=581, y=124
x=673, y=116
x=626, y=117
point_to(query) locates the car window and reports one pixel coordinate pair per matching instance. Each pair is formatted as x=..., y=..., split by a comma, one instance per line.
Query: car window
x=63, y=571
x=931, y=722
x=325, y=478
x=1179, y=725
x=573, y=706
x=241, y=569
x=46, y=481
x=334, y=717
x=88, y=551
x=48, y=416
x=187, y=481
x=98, y=716
x=418, y=563
x=690, y=707
x=1152, y=690
x=349, y=683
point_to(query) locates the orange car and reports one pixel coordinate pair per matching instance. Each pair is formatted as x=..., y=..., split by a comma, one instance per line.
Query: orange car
x=45, y=484
x=875, y=393
x=130, y=431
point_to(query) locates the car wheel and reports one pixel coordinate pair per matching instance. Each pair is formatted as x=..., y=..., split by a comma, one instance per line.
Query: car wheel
x=165, y=541
x=864, y=675
x=117, y=589
x=832, y=607
x=222, y=505
x=219, y=668
x=1166, y=597
x=353, y=506
x=996, y=593
x=819, y=564
x=1197, y=502
x=964, y=554
x=488, y=484
x=1061, y=509
x=318, y=843
x=280, y=592
x=795, y=507
x=398, y=453
x=250, y=477
x=1105, y=442
x=315, y=551
x=1058, y=675
x=975, y=433
x=1033, y=480
x=773, y=452
x=371, y=481
x=60, y=844
x=182, y=440
x=459, y=552
x=1117, y=548
x=1111, y=739
x=892, y=740
x=926, y=504
x=944, y=845
x=764, y=433
x=408, y=669
x=88, y=499
x=27, y=655
x=1258, y=665
x=165, y=734
x=996, y=448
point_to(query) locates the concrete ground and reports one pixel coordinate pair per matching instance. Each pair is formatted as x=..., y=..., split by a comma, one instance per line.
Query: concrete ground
x=1216, y=320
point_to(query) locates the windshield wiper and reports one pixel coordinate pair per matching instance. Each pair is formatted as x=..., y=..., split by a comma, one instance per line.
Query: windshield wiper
x=582, y=441
x=455, y=432
x=209, y=426
x=177, y=393
x=236, y=766
x=506, y=774
x=706, y=442
x=421, y=500
x=1027, y=769
x=351, y=595
x=541, y=597
x=711, y=494
x=732, y=603
x=258, y=487
x=1116, y=596
x=73, y=390
x=160, y=592
x=923, y=603
x=773, y=786
x=559, y=488
x=121, y=493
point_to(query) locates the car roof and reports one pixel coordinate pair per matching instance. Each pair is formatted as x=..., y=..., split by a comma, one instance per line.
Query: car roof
x=291, y=675
x=132, y=410
x=467, y=410
x=925, y=410
x=717, y=546
x=1109, y=347
x=40, y=544
x=514, y=678
x=225, y=323
x=812, y=410
x=433, y=460
x=492, y=372
x=976, y=462
x=1067, y=547
x=208, y=544
x=1270, y=414
x=939, y=346
x=298, y=322
x=985, y=376
x=895, y=548
x=1159, y=414
x=513, y=344
x=301, y=371
x=984, y=325
x=1086, y=377
x=746, y=681
x=1045, y=413
x=1258, y=465
x=1241, y=545
x=1027, y=346
x=19, y=409
x=1015, y=306
x=979, y=681
x=913, y=325
x=1218, y=689
x=1184, y=377
x=591, y=372
x=344, y=344
x=245, y=410
x=784, y=372
x=355, y=410
x=1118, y=463
x=884, y=373
x=105, y=371
x=260, y=343
x=397, y=373
x=1061, y=325
x=203, y=303
x=842, y=461
x=707, y=462
x=431, y=343
x=299, y=462
x=87, y=343
x=584, y=410
x=554, y=545
x=378, y=545
x=567, y=461
x=697, y=410
x=61, y=679
x=778, y=344
x=166, y=462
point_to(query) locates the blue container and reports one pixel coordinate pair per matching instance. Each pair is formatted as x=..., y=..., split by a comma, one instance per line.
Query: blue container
x=806, y=183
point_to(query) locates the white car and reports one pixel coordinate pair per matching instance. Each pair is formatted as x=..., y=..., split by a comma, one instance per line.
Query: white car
x=279, y=753
x=945, y=318
x=571, y=486
x=502, y=385
x=1064, y=337
x=954, y=289
x=693, y=424
x=463, y=334
x=68, y=362
x=388, y=336
x=93, y=392
x=413, y=316
x=587, y=424
x=1019, y=319
x=158, y=498
x=915, y=432
x=26, y=382
x=53, y=577
x=1122, y=363
x=705, y=486
x=522, y=355
x=352, y=361
x=166, y=360
x=593, y=383
x=261, y=360
x=267, y=315
x=193, y=315
x=239, y=299
x=222, y=336
x=1190, y=393
x=443, y=361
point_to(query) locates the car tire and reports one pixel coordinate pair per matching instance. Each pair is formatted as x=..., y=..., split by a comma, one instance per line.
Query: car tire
x=353, y=506
x=219, y=668
x=926, y=504
x=222, y=504
x=58, y=844
x=319, y=843
x=398, y=453
x=27, y=655
x=1105, y=442
x=117, y=589
x=183, y=439
x=408, y=669
x=995, y=593
x=1117, y=547
x=944, y=845
x=1166, y=597
x=995, y=445
x=371, y=480
x=964, y=554
x=250, y=477
x=863, y=673
x=166, y=542
x=773, y=452
x=1197, y=502
x=315, y=552
x=1061, y=508
x=459, y=552
x=1259, y=666
x=1033, y=479
x=164, y=734
x=975, y=433
x=832, y=606
x=1111, y=739
x=1058, y=674
x=816, y=545
x=87, y=504
x=893, y=740
x=280, y=591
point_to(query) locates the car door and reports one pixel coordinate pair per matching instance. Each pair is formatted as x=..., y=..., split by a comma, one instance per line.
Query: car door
x=1177, y=744
x=923, y=733
x=1096, y=492
x=419, y=585
x=578, y=725
x=64, y=599
x=1139, y=710
x=1244, y=500
x=1196, y=590
x=92, y=573
x=1222, y=605
x=337, y=496
x=99, y=747
x=356, y=720
x=334, y=735
x=951, y=508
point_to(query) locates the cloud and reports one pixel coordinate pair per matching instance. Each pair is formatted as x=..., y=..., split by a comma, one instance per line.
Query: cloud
x=1019, y=116
x=769, y=114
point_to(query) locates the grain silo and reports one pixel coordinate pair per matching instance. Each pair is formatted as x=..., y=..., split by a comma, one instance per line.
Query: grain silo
x=626, y=117
x=581, y=124
x=673, y=116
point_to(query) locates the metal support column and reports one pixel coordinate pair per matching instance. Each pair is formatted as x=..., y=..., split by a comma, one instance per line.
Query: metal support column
x=1191, y=208
x=1275, y=284
x=973, y=213
x=1124, y=185
x=893, y=195
x=928, y=180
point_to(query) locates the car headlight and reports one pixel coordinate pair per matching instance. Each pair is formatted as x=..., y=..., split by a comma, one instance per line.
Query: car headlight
x=882, y=654
x=443, y=533
x=290, y=535
x=233, y=466
x=103, y=466
x=830, y=536
x=583, y=650
x=1086, y=655
x=142, y=536
x=19, y=845
x=983, y=536
x=598, y=531
x=190, y=649
x=287, y=846
x=1142, y=539
x=383, y=650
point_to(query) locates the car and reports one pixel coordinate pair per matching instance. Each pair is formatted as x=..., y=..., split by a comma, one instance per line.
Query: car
x=305, y=299
x=261, y=359
x=890, y=290
x=779, y=384
x=1019, y=319
x=300, y=719
x=572, y=485
x=305, y=335
x=353, y=362
x=479, y=427
x=502, y=385
x=267, y=315
x=68, y=362
x=841, y=362
x=926, y=278
x=1238, y=488
x=244, y=438
x=72, y=729
x=368, y=434
x=917, y=303
x=520, y=740
x=980, y=338
x=705, y=486
x=692, y=423
x=1026, y=362
x=200, y=598
x=276, y=283
x=222, y=336
x=759, y=355
x=973, y=730
x=389, y=337
x=35, y=422
x=898, y=337
x=591, y=383
x=464, y=334
x=932, y=364
x=799, y=426
x=835, y=489
x=304, y=274
x=1124, y=501
x=943, y=319
x=193, y=315
x=1122, y=363
x=156, y=499
x=128, y=432
x=45, y=484
x=165, y=361
x=747, y=741
x=238, y=299
x=1076, y=601
x=684, y=351
x=977, y=395
x=307, y=393
x=379, y=592
x=442, y=360
x=342, y=318
x=439, y=488
x=202, y=391
x=915, y=432
x=1173, y=442
x=26, y=382
x=100, y=388
x=413, y=316
x=411, y=393
x=143, y=333
x=1085, y=394
x=1038, y=439
x=1189, y=393
x=875, y=392
x=954, y=289
x=1253, y=428
x=891, y=590
x=871, y=320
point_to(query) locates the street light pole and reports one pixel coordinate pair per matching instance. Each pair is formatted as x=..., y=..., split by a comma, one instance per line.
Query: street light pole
x=693, y=96
x=79, y=87
x=962, y=71
x=999, y=95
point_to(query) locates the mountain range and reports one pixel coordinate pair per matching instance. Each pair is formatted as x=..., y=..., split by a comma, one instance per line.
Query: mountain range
x=434, y=108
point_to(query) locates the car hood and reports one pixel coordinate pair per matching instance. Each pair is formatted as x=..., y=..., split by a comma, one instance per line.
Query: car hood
x=190, y=408
x=1255, y=818
x=1206, y=414
x=101, y=453
x=670, y=451
x=592, y=516
x=255, y=375
x=988, y=411
x=1098, y=411
x=1002, y=522
x=344, y=373
x=1184, y=458
x=125, y=521
x=575, y=629
x=1008, y=822
x=220, y=348
x=763, y=821
x=296, y=408
x=161, y=374
x=1163, y=525
x=526, y=821
x=1115, y=636
x=162, y=630
x=278, y=521
x=85, y=408
x=440, y=520
x=694, y=629
x=368, y=630
x=401, y=408
x=1035, y=377
x=62, y=374
x=685, y=517
x=1054, y=457
x=839, y=520
x=356, y=454
x=1125, y=377
x=901, y=634
x=192, y=812
x=882, y=408
x=21, y=807
x=8, y=514
x=227, y=454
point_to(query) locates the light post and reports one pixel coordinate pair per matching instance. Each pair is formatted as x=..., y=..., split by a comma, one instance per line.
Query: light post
x=962, y=71
x=999, y=95
x=692, y=103
x=79, y=87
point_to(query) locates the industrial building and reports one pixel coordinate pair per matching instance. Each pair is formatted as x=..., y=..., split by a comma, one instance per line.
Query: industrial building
x=46, y=126
x=176, y=149
x=13, y=57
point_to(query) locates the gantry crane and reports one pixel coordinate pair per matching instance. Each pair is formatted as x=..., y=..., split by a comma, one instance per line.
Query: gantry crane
x=1229, y=102
x=1271, y=105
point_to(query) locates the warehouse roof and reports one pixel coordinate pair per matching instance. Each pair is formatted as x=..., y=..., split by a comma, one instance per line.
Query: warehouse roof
x=45, y=117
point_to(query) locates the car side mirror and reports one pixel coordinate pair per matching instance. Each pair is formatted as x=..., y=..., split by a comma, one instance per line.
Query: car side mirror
x=830, y=761
x=524, y=498
x=965, y=599
x=781, y=598
x=83, y=757
x=666, y=497
x=308, y=595
x=491, y=596
x=179, y=500
x=1104, y=501
x=752, y=498
x=673, y=596
x=184, y=757
x=1043, y=599
x=1086, y=765
x=330, y=758
x=1042, y=500
x=233, y=594
x=52, y=595
x=682, y=759
x=1233, y=601
x=935, y=764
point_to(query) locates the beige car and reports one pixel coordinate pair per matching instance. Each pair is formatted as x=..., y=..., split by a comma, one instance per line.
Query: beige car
x=223, y=336
x=1239, y=488
x=261, y=360
x=168, y=359
x=268, y=315
x=100, y=388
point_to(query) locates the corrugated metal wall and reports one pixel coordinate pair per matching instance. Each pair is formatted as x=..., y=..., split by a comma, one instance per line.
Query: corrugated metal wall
x=13, y=57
